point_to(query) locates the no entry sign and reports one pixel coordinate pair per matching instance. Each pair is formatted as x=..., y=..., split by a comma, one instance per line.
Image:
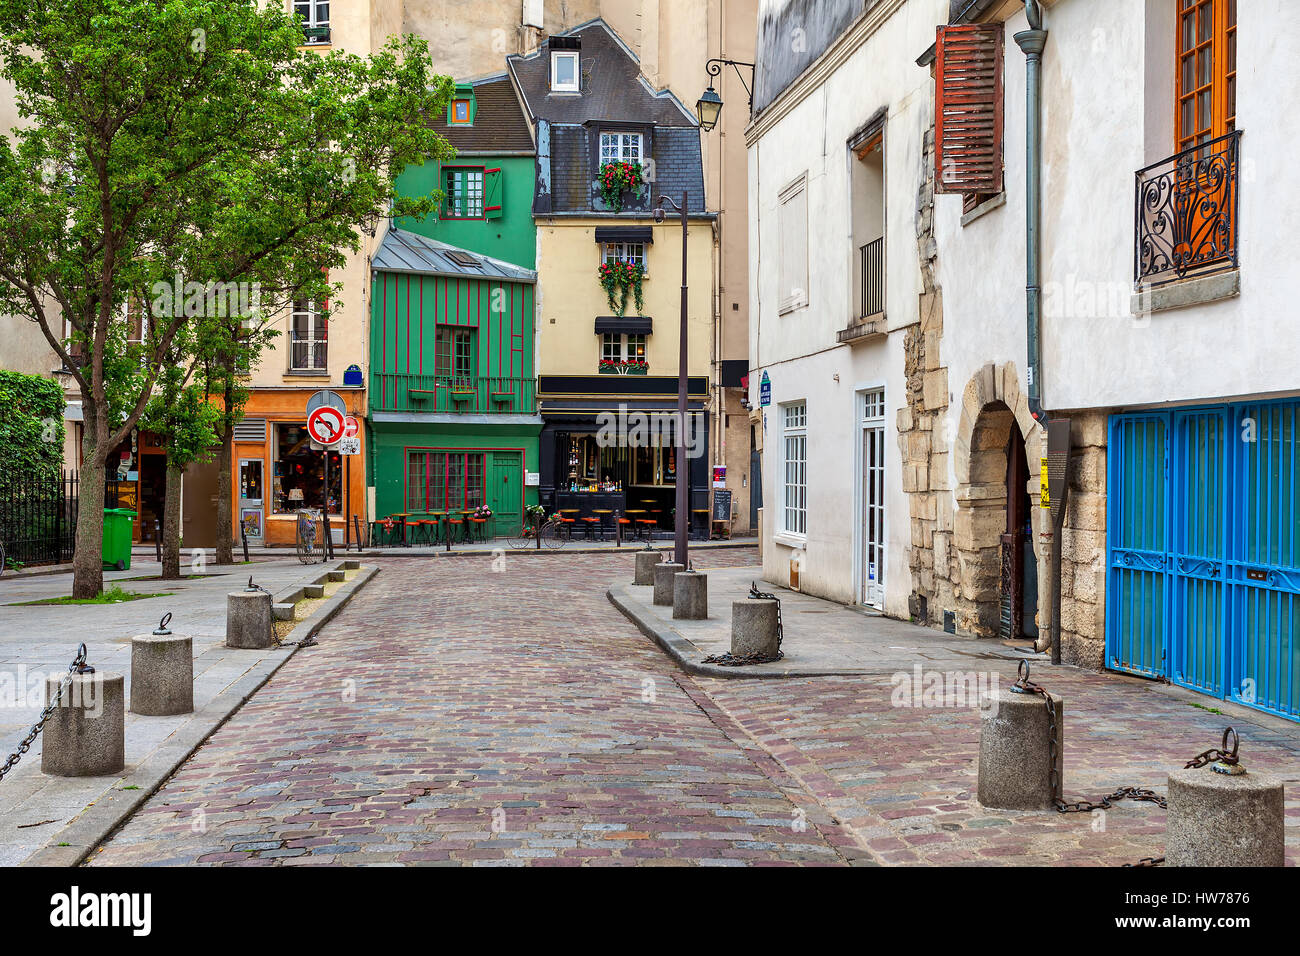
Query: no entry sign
x=325, y=425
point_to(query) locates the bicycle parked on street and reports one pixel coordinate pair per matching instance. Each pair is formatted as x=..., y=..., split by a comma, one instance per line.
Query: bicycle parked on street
x=309, y=550
x=540, y=530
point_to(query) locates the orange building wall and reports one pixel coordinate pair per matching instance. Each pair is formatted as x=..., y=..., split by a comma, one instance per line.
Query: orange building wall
x=288, y=407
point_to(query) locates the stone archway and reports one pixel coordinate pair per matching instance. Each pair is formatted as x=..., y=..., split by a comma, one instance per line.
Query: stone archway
x=992, y=405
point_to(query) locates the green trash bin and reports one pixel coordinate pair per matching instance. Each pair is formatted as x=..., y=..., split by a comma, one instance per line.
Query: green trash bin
x=116, y=553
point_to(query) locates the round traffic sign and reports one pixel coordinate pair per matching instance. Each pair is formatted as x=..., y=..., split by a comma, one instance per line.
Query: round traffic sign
x=351, y=427
x=325, y=425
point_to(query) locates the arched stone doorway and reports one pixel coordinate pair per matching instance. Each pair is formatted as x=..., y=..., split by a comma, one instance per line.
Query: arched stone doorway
x=997, y=515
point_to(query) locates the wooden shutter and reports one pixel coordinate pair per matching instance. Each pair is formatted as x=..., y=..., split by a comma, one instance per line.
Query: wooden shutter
x=492, y=189
x=968, y=109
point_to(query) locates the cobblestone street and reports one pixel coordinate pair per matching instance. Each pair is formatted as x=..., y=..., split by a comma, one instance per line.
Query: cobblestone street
x=455, y=715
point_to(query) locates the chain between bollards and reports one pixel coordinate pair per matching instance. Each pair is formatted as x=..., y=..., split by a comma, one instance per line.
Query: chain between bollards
x=78, y=666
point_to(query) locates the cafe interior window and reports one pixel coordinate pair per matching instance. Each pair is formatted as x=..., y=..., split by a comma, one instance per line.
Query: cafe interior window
x=445, y=481
x=299, y=480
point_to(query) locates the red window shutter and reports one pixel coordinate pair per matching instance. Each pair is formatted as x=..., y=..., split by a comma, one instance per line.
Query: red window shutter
x=968, y=109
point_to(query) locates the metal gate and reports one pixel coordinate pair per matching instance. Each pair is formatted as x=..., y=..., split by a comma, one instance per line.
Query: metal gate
x=1203, y=558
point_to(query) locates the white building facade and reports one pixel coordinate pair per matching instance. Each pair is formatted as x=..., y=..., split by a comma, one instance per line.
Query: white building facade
x=1166, y=339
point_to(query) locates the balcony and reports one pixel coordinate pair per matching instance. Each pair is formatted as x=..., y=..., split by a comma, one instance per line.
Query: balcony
x=449, y=394
x=1186, y=214
x=870, y=321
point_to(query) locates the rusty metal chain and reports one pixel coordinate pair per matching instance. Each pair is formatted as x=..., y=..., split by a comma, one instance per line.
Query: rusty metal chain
x=1222, y=756
x=1024, y=685
x=78, y=666
x=731, y=660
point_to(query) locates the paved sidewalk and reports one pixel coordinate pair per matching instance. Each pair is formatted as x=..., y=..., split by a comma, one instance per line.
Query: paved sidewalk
x=42, y=639
x=821, y=638
x=579, y=545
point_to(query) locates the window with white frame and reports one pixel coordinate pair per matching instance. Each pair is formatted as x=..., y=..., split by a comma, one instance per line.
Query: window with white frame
x=620, y=147
x=793, y=258
x=794, y=449
x=308, y=337
x=616, y=347
x=633, y=253
x=315, y=16
x=564, y=72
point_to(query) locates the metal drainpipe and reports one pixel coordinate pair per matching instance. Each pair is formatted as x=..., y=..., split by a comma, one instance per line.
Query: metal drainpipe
x=1032, y=41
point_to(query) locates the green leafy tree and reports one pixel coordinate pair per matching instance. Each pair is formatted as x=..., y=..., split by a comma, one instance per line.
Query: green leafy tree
x=169, y=144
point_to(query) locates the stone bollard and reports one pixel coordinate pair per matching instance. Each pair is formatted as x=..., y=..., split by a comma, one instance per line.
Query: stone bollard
x=248, y=618
x=162, y=673
x=753, y=627
x=1015, y=757
x=664, y=572
x=646, y=562
x=86, y=734
x=690, y=596
x=1220, y=815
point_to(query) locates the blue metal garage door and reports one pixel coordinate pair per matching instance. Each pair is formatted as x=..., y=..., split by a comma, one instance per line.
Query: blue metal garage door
x=1203, y=556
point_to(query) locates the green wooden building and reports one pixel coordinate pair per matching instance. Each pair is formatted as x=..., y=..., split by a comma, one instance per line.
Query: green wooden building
x=453, y=420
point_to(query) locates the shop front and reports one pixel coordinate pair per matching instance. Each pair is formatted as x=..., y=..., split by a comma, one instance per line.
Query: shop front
x=279, y=471
x=608, y=454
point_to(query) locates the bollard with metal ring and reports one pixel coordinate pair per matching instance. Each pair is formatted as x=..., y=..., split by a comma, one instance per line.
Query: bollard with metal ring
x=1227, y=817
x=84, y=722
x=162, y=672
x=751, y=625
x=78, y=666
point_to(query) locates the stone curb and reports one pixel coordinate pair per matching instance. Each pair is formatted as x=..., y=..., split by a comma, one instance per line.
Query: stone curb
x=93, y=825
x=685, y=653
x=628, y=600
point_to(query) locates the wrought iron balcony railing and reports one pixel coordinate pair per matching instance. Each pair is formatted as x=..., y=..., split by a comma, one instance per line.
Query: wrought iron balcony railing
x=450, y=393
x=872, y=271
x=1186, y=217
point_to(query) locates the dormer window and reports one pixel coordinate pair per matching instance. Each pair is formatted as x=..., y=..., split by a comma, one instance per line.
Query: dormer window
x=564, y=71
x=459, y=114
x=620, y=148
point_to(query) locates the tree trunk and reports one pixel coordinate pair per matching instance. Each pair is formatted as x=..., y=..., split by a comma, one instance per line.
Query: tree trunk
x=225, y=544
x=171, y=530
x=87, y=569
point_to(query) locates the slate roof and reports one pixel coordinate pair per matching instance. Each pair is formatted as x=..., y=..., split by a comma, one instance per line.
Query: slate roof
x=500, y=125
x=613, y=93
x=566, y=176
x=403, y=251
x=612, y=85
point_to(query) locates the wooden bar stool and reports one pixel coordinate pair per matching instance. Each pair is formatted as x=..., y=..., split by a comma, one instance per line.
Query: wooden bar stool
x=477, y=525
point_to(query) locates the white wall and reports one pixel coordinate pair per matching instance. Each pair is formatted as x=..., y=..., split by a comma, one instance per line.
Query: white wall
x=1108, y=104
x=799, y=350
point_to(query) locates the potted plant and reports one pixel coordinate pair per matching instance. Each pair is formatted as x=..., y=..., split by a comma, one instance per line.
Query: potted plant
x=483, y=511
x=618, y=278
x=618, y=178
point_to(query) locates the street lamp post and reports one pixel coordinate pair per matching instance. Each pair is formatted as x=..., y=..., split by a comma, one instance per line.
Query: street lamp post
x=680, y=525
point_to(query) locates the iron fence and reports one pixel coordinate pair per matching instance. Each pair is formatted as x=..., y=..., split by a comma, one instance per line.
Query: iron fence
x=38, y=517
x=1186, y=217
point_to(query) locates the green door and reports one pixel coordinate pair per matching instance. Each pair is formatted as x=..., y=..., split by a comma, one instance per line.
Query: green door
x=506, y=492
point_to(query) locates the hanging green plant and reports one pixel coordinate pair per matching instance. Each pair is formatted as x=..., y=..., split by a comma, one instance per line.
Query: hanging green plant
x=616, y=179
x=618, y=279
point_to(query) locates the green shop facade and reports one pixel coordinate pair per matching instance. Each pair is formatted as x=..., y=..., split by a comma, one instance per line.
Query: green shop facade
x=453, y=421
x=453, y=414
